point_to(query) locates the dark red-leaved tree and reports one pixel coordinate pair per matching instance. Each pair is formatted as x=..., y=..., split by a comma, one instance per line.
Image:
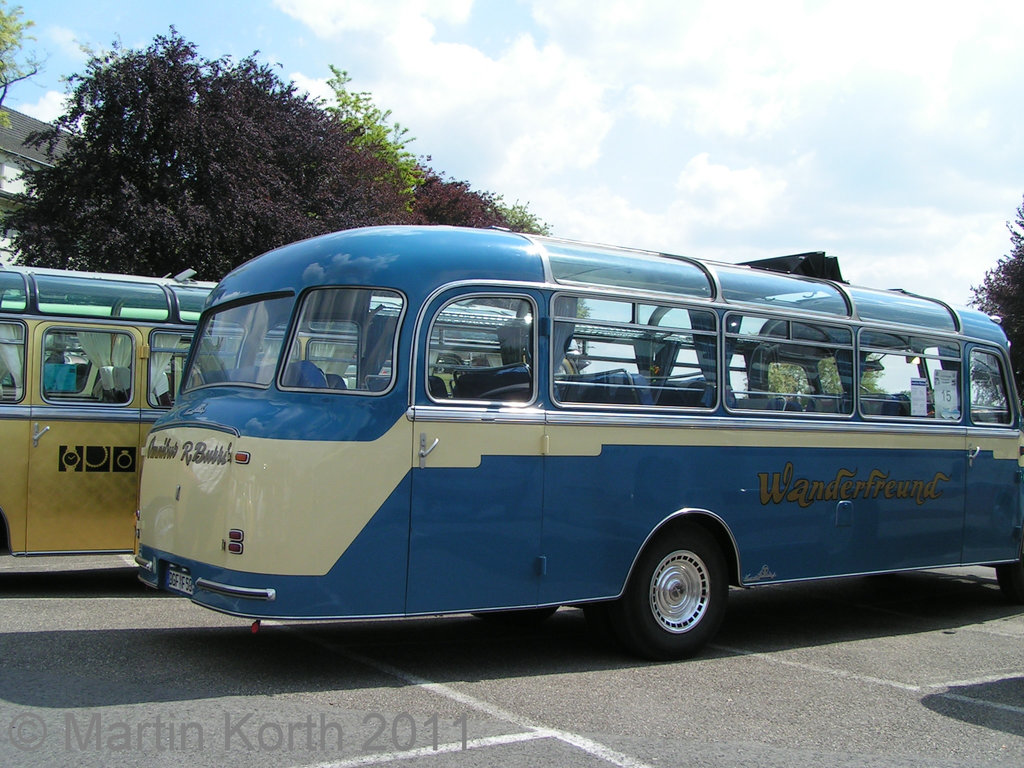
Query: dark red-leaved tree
x=173, y=161
x=438, y=201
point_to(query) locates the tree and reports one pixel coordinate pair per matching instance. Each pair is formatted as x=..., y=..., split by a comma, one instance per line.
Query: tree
x=439, y=201
x=371, y=129
x=435, y=200
x=12, y=37
x=518, y=218
x=173, y=161
x=1002, y=293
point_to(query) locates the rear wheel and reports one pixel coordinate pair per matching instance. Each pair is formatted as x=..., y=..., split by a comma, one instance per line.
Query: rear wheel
x=1011, y=580
x=675, y=599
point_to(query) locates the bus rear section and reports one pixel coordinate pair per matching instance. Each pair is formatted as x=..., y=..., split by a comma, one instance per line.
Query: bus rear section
x=411, y=421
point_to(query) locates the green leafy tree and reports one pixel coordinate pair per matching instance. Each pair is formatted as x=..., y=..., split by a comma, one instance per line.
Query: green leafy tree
x=13, y=68
x=372, y=130
x=519, y=218
x=1002, y=293
x=434, y=199
x=174, y=161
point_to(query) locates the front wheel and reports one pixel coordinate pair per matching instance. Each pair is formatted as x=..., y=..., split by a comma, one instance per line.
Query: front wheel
x=675, y=599
x=1011, y=580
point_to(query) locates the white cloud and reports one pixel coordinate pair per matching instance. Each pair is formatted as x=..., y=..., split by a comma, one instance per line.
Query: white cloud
x=883, y=133
x=720, y=196
x=66, y=41
x=329, y=18
x=47, y=109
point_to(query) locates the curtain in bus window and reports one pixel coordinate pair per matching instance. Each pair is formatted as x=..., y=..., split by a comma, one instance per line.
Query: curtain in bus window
x=111, y=353
x=162, y=380
x=159, y=365
x=12, y=356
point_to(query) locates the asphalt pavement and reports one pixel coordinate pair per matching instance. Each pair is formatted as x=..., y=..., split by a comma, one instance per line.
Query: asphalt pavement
x=914, y=669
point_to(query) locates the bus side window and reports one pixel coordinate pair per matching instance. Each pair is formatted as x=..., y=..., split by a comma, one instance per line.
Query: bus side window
x=12, y=362
x=617, y=352
x=906, y=376
x=782, y=365
x=482, y=348
x=87, y=366
x=989, y=401
x=166, y=363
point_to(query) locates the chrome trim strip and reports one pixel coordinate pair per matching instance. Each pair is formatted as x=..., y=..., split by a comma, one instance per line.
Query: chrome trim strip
x=48, y=553
x=774, y=423
x=117, y=413
x=144, y=564
x=476, y=413
x=15, y=412
x=228, y=590
x=196, y=425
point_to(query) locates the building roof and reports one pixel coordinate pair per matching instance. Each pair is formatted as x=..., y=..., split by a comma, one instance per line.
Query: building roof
x=13, y=140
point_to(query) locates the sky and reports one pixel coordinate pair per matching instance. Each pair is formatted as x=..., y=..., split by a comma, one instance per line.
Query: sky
x=887, y=134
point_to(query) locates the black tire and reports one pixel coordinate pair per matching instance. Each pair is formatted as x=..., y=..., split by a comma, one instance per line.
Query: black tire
x=1011, y=581
x=599, y=625
x=519, y=617
x=675, y=598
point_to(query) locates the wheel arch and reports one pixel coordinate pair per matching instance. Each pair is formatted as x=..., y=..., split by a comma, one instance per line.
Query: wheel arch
x=711, y=523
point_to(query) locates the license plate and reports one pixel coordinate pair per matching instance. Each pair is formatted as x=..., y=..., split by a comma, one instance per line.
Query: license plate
x=179, y=581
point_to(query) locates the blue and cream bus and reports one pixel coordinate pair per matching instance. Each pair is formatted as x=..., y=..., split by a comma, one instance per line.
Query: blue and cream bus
x=87, y=363
x=405, y=421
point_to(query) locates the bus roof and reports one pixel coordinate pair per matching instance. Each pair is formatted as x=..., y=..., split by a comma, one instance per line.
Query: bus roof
x=419, y=259
x=66, y=293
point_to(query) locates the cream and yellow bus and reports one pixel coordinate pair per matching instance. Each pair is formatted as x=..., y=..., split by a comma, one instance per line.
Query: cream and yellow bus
x=87, y=363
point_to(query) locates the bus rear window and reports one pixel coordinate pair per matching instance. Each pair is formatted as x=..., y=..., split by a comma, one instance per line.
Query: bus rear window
x=240, y=344
x=344, y=341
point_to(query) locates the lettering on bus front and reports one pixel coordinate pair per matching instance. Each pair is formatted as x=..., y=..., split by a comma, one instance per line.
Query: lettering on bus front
x=191, y=452
x=779, y=487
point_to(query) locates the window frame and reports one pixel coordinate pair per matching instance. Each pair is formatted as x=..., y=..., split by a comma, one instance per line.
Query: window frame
x=638, y=307
x=294, y=330
x=534, y=352
x=150, y=369
x=731, y=337
x=76, y=400
x=1007, y=388
x=23, y=343
x=928, y=340
x=204, y=323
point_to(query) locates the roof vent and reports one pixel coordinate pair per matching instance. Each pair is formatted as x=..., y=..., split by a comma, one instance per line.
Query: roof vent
x=813, y=264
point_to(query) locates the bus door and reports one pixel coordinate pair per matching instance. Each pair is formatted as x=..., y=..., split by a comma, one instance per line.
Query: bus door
x=992, y=529
x=477, y=463
x=84, y=439
x=14, y=424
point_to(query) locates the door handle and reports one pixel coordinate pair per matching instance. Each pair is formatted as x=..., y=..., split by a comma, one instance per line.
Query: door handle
x=38, y=433
x=424, y=450
x=973, y=454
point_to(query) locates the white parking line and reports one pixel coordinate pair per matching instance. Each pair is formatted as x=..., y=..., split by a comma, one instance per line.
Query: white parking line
x=441, y=749
x=815, y=668
x=842, y=673
x=531, y=730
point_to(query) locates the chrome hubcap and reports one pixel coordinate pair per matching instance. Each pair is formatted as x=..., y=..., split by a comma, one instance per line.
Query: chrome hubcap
x=679, y=591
